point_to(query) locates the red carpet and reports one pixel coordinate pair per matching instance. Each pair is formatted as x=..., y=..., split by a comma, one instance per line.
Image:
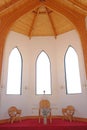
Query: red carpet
x=32, y=124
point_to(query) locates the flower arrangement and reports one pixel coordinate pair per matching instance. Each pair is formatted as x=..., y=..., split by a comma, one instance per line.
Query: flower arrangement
x=45, y=112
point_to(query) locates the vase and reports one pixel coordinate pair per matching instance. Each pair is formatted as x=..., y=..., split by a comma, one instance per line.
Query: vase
x=45, y=120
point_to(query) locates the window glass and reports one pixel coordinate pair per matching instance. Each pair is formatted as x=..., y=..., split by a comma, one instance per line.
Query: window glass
x=72, y=72
x=14, y=72
x=43, y=75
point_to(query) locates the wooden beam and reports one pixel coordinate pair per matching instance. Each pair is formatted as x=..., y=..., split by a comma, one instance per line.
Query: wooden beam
x=63, y=9
x=52, y=23
x=79, y=6
x=33, y=22
x=20, y=7
x=7, y=4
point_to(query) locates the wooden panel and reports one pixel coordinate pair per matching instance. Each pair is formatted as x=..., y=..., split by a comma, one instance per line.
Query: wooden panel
x=43, y=25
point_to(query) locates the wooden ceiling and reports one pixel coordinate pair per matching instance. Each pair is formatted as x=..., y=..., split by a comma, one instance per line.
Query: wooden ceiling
x=42, y=21
x=43, y=18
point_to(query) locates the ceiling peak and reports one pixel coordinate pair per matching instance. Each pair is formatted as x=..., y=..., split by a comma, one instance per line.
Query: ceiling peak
x=42, y=0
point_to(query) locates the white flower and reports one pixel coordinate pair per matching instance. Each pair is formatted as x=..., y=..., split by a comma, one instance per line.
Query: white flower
x=45, y=111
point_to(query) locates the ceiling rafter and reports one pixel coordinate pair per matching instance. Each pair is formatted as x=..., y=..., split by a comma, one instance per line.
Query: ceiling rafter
x=8, y=4
x=78, y=4
x=26, y=4
x=80, y=7
x=33, y=22
x=51, y=21
x=36, y=13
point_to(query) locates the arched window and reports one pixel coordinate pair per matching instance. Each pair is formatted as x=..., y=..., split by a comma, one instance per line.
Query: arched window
x=43, y=74
x=14, y=72
x=72, y=74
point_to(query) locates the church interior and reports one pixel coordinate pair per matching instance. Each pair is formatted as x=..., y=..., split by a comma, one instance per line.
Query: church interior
x=49, y=28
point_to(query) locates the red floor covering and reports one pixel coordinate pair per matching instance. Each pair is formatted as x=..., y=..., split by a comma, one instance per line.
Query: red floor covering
x=32, y=124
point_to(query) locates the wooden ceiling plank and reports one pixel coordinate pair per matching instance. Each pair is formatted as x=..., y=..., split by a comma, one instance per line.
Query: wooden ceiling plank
x=51, y=21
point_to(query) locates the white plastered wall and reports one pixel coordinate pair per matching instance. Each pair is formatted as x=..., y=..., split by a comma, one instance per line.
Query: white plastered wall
x=55, y=48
